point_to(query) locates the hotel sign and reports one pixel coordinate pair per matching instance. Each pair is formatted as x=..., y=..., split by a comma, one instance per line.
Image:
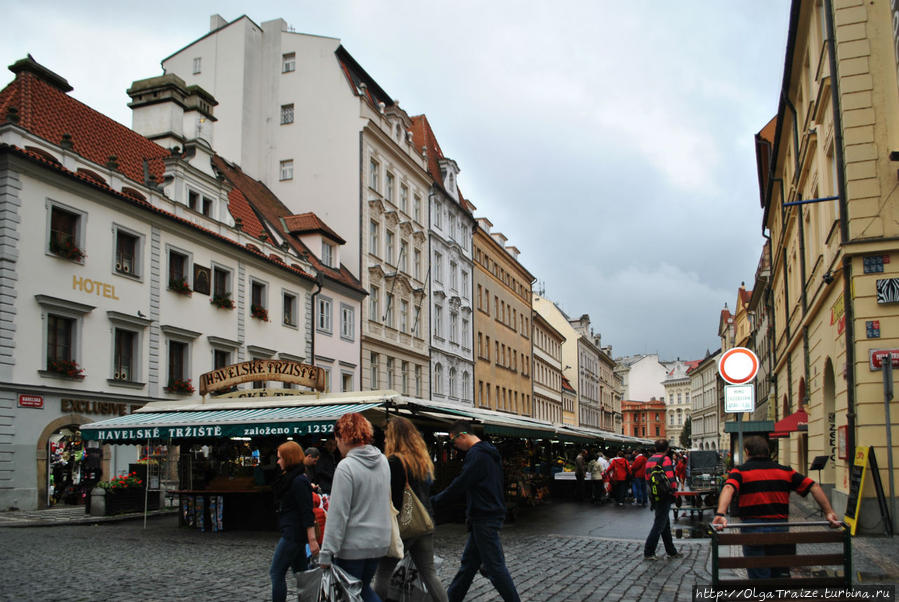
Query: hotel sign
x=262, y=371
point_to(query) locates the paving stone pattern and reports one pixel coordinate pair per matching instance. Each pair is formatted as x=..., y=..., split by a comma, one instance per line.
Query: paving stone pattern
x=122, y=561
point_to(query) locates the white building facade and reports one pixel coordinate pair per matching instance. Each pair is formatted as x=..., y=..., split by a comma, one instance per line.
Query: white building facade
x=707, y=395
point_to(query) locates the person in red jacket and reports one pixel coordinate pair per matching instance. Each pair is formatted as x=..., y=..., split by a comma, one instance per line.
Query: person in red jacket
x=661, y=524
x=638, y=470
x=680, y=470
x=618, y=471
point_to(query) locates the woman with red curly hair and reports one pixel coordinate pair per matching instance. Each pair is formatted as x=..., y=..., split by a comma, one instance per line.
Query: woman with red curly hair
x=358, y=530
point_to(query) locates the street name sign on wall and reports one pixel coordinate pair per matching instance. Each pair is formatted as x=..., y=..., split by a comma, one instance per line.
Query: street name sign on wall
x=739, y=398
x=738, y=365
x=878, y=356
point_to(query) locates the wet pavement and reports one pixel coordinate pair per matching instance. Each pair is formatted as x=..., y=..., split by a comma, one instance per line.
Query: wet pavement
x=556, y=551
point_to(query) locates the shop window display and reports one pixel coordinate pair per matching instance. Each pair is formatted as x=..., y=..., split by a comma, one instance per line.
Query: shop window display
x=74, y=468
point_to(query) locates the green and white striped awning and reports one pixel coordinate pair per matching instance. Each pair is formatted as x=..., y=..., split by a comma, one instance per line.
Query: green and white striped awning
x=206, y=424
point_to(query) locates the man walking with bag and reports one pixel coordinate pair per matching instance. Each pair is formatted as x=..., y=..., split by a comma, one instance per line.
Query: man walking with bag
x=659, y=472
x=481, y=481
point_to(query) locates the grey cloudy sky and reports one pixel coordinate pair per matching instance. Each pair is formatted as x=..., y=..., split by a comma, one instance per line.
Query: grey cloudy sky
x=612, y=142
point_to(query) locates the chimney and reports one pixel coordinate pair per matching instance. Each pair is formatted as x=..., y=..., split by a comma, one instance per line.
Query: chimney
x=169, y=112
x=216, y=21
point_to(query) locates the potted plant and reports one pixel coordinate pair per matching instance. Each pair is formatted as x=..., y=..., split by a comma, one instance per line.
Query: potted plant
x=259, y=312
x=67, y=368
x=222, y=301
x=180, y=285
x=66, y=248
x=126, y=493
x=180, y=385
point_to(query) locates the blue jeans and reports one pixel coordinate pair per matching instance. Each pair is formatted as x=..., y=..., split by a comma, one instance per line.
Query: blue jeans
x=362, y=569
x=288, y=553
x=769, y=550
x=661, y=526
x=483, y=549
x=639, y=487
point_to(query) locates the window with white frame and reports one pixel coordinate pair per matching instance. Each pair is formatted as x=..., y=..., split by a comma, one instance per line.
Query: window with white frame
x=179, y=362
x=404, y=256
x=453, y=336
x=193, y=199
x=221, y=282
x=438, y=379
x=452, y=227
x=198, y=64
x=323, y=316
x=289, y=309
x=374, y=238
x=418, y=382
x=347, y=322
x=374, y=304
x=465, y=284
x=374, y=175
x=416, y=208
x=128, y=250
x=388, y=310
x=389, y=243
x=438, y=267
x=416, y=326
x=346, y=379
x=438, y=214
x=404, y=315
x=66, y=235
x=258, y=296
x=416, y=264
x=286, y=170
x=404, y=199
x=466, y=337
x=61, y=342
x=328, y=254
x=286, y=114
x=390, y=375
x=466, y=386
x=124, y=354
x=404, y=378
x=373, y=371
x=466, y=238
x=454, y=276
x=288, y=62
x=438, y=321
x=452, y=382
x=179, y=270
x=209, y=206
x=388, y=185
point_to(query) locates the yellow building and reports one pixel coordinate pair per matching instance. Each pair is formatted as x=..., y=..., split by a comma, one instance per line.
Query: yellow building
x=502, y=323
x=829, y=191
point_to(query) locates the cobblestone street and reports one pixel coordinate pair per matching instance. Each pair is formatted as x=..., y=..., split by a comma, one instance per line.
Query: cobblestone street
x=561, y=551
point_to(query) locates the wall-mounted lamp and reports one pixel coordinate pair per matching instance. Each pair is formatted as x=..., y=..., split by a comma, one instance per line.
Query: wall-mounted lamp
x=827, y=277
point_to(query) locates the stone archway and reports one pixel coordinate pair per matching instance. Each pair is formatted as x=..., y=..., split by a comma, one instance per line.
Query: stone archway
x=43, y=442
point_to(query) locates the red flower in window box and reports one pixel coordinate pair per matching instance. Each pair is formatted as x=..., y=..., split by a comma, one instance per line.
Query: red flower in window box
x=222, y=301
x=66, y=248
x=180, y=286
x=180, y=385
x=68, y=368
x=259, y=312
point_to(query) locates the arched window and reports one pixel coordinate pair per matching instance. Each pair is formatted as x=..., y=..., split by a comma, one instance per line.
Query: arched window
x=466, y=385
x=452, y=382
x=438, y=379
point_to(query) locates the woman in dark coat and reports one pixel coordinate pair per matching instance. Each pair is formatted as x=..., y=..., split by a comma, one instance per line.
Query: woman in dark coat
x=296, y=521
x=409, y=461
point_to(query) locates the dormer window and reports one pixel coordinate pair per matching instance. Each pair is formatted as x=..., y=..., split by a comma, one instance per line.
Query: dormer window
x=328, y=255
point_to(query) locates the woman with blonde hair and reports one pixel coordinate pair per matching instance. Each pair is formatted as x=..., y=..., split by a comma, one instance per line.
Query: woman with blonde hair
x=358, y=529
x=296, y=521
x=409, y=461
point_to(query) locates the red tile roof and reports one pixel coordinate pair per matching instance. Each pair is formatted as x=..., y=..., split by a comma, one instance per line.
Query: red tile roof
x=423, y=136
x=48, y=112
x=263, y=202
x=309, y=222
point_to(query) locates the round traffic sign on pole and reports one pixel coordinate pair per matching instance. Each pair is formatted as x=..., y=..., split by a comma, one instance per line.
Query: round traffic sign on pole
x=738, y=365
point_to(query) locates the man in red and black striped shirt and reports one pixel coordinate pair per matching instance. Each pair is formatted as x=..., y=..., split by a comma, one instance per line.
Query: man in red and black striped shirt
x=763, y=495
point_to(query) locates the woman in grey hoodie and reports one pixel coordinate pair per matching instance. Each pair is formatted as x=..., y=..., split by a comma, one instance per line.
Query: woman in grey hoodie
x=357, y=534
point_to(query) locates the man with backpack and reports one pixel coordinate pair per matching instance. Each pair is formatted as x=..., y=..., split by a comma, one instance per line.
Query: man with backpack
x=661, y=484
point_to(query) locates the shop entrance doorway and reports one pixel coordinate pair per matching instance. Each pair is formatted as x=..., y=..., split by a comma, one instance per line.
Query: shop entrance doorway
x=73, y=467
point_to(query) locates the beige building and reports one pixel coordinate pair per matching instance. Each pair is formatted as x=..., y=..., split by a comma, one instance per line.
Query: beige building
x=502, y=323
x=677, y=400
x=828, y=188
x=707, y=397
x=547, y=371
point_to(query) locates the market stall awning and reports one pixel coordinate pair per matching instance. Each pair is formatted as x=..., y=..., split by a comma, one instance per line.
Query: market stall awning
x=494, y=423
x=294, y=420
x=797, y=421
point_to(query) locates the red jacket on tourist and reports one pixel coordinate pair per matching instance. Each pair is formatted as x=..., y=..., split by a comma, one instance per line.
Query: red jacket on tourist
x=618, y=469
x=638, y=468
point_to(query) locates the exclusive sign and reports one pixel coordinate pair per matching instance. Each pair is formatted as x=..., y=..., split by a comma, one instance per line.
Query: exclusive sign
x=262, y=370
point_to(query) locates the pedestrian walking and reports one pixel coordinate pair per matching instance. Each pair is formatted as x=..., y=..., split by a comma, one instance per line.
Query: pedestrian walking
x=311, y=459
x=763, y=488
x=638, y=470
x=580, y=474
x=481, y=481
x=359, y=515
x=597, y=487
x=661, y=504
x=326, y=465
x=680, y=470
x=296, y=521
x=618, y=472
x=410, y=463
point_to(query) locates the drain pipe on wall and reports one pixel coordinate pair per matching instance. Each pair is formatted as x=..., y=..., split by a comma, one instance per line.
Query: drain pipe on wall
x=839, y=157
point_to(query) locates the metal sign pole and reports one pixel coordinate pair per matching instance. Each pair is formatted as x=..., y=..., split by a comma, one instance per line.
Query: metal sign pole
x=887, y=398
x=739, y=439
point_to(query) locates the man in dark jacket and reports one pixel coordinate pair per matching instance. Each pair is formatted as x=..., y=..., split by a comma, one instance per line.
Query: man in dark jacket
x=481, y=481
x=661, y=524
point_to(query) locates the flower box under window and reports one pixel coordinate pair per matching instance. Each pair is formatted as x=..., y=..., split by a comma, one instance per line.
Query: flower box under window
x=67, y=368
x=180, y=385
x=180, y=286
x=259, y=312
x=223, y=301
x=65, y=247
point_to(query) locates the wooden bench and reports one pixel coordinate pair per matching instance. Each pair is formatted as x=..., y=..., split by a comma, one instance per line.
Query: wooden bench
x=823, y=533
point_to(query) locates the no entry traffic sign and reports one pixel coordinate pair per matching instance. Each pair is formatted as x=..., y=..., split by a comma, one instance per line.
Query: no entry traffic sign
x=738, y=365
